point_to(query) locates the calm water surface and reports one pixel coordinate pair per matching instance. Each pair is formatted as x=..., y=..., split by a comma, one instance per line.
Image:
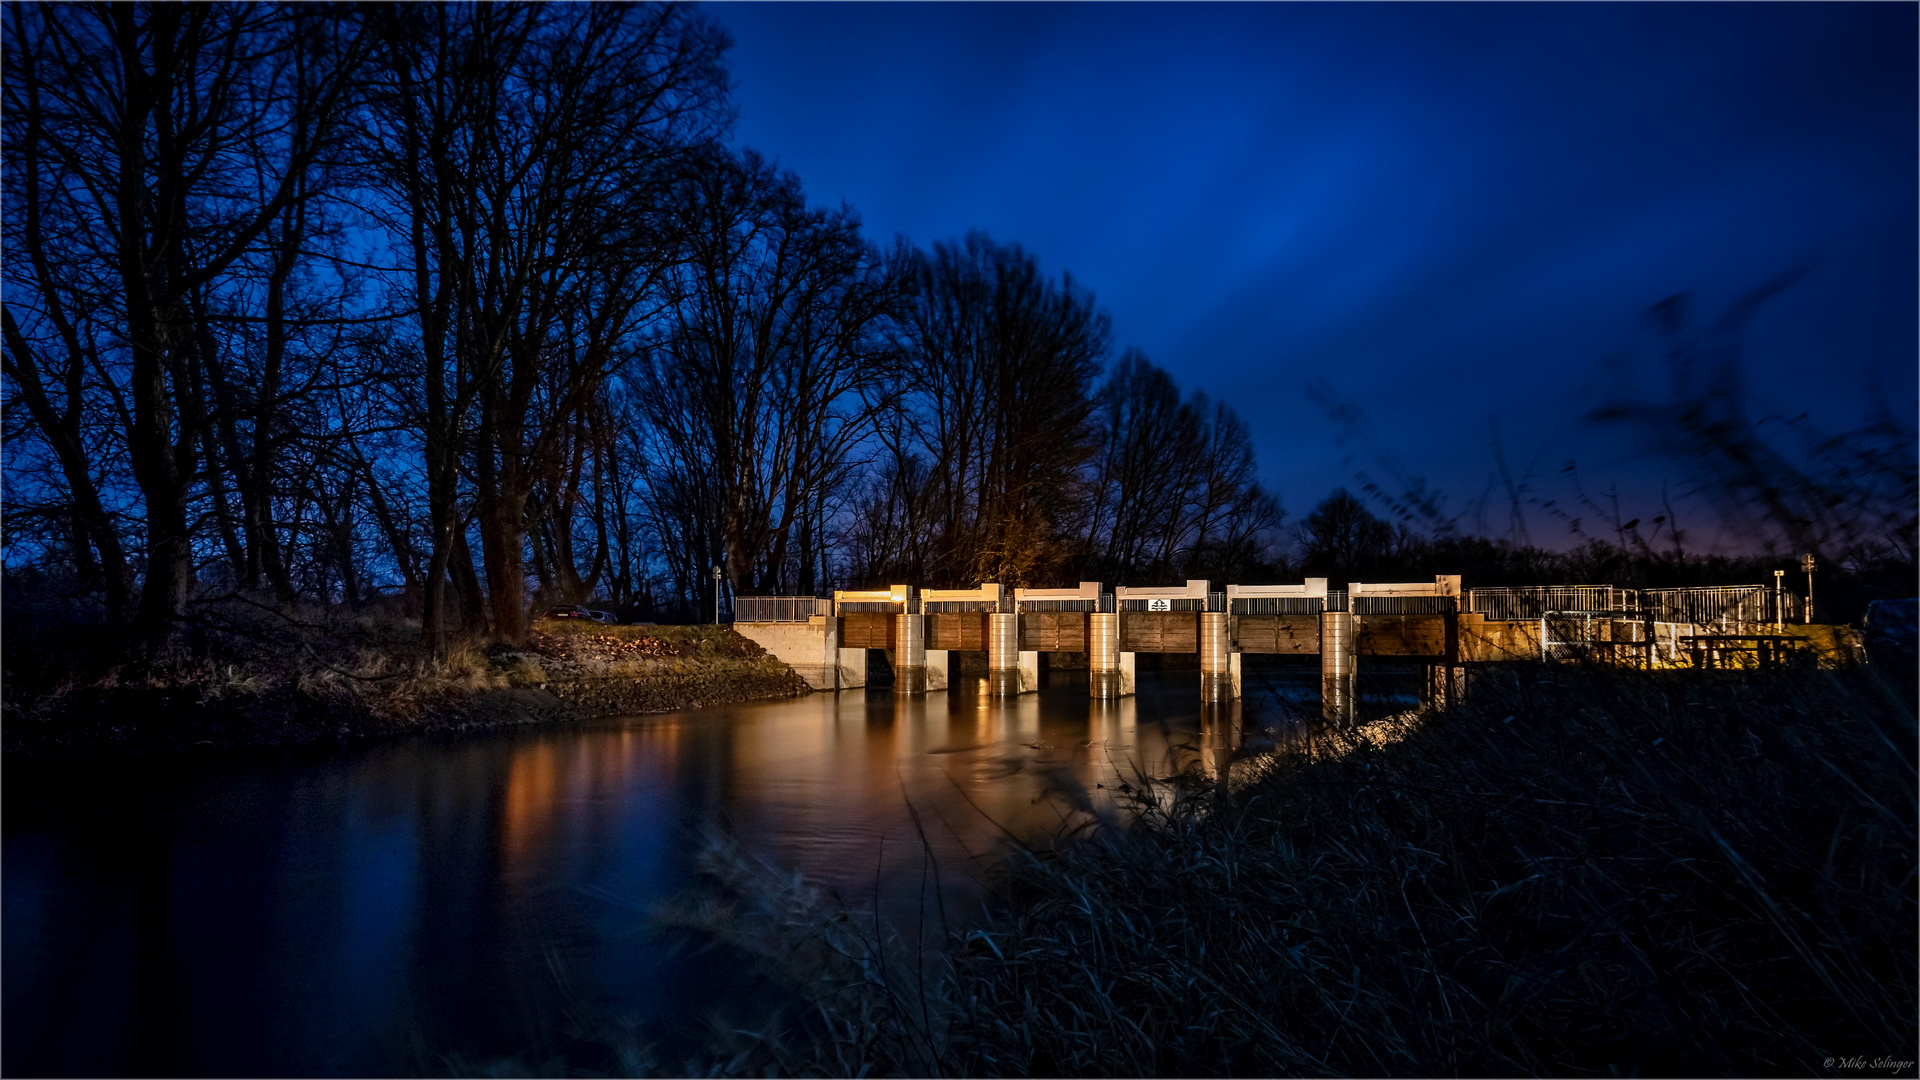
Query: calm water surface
x=442, y=903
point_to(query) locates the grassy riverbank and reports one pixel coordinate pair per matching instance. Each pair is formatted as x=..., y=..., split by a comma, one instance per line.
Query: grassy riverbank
x=249, y=676
x=1585, y=872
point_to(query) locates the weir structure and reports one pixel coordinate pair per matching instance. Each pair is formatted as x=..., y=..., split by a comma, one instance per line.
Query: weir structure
x=835, y=644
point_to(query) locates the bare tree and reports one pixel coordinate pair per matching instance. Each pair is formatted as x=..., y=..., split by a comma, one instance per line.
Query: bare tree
x=158, y=145
x=524, y=151
x=1002, y=363
x=769, y=375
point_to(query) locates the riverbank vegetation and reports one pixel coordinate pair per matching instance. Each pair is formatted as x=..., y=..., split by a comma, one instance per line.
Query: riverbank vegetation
x=248, y=674
x=1582, y=872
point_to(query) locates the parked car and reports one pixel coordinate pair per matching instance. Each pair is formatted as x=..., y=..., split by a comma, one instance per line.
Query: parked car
x=1890, y=633
x=574, y=611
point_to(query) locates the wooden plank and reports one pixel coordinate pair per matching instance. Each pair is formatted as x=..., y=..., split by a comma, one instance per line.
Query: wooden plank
x=1160, y=631
x=1400, y=635
x=866, y=630
x=1284, y=634
x=1053, y=631
x=963, y=630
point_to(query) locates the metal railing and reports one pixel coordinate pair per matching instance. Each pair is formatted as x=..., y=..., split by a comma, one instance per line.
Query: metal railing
x=1401, y=605
x=1103, y=604
x=948, y=607
x=754, y=609
x=1726, y=608
x=1524, y=604
x=1167, y=603
x=1278, y=605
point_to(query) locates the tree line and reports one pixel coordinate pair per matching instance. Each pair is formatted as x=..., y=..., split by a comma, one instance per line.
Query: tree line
x=478, y=305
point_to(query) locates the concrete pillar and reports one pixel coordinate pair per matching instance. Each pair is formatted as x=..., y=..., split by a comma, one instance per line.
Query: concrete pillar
x=1029, y=672
x=829, y=652
x=1445, y=686
x=1003, y=654
x=910, y=654
x=1103, y=656
x=1336, y=665
x=851, y=670
x=1233, y=672
x=939, y=669
x=1216, y=681
x=1127, y=677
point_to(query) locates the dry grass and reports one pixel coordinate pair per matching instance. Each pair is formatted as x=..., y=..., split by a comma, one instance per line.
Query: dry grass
x=245, y=672
x=1585, y=872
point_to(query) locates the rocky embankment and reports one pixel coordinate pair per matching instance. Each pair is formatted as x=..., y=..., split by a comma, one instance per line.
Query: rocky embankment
x=564, y=672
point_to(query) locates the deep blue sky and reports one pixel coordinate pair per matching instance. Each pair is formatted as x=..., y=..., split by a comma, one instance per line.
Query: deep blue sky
x=1452, y=215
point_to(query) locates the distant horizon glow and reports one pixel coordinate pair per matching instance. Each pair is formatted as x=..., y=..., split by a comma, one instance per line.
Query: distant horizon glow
x=1453, y=216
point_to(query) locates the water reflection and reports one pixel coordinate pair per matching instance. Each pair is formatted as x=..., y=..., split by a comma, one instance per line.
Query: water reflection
x=441, y=904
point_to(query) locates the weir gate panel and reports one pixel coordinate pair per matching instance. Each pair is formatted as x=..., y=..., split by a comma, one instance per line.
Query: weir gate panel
x=1400, y=635
x=963, y=631
x=1283, y=634
x=866, y=630
x=1160, y=631
x=1053, y=631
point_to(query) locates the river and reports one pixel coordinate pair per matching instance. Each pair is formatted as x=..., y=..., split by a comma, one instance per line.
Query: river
x=443, y=904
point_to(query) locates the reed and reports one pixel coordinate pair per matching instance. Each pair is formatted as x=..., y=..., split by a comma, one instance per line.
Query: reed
x=1585, y=871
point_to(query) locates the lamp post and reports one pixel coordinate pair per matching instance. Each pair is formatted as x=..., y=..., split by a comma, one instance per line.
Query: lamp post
x=1806, y=566
x=1779, y=600
x=716, y=594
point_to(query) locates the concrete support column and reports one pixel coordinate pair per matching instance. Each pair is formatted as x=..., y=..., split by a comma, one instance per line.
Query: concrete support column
x=1127, y=673
x=910, y=654
x=851, y=670
x=1103, y=656
x=1216, y=681
x=1337, y=668
x=939, y=669
x=1029, y=672
x=1233, y=672
x=829, y=653
x=1003, y=654
x=1445, y=686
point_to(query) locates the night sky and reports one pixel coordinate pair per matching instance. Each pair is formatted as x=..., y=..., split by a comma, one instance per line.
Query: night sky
x=1452, y=216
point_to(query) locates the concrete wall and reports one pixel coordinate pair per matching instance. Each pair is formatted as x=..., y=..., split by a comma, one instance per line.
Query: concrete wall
x=812, y=650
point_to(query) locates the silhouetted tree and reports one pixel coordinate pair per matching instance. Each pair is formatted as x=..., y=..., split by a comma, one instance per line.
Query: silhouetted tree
x=769, y=371
x=1002, y=363
x=526, y=151
x=156, y=151
x=1342, y=539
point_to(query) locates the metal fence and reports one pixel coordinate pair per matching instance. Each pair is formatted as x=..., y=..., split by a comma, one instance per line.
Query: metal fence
x=949, y=607
x=1528, y=603
x=779, y=608
x=1401, y=605
x=1724, y=608
x=1173, y=603
x=1102, y=605
x=1278, y=605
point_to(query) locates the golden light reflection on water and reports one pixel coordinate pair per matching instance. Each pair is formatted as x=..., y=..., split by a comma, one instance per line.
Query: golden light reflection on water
x=831, y=784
